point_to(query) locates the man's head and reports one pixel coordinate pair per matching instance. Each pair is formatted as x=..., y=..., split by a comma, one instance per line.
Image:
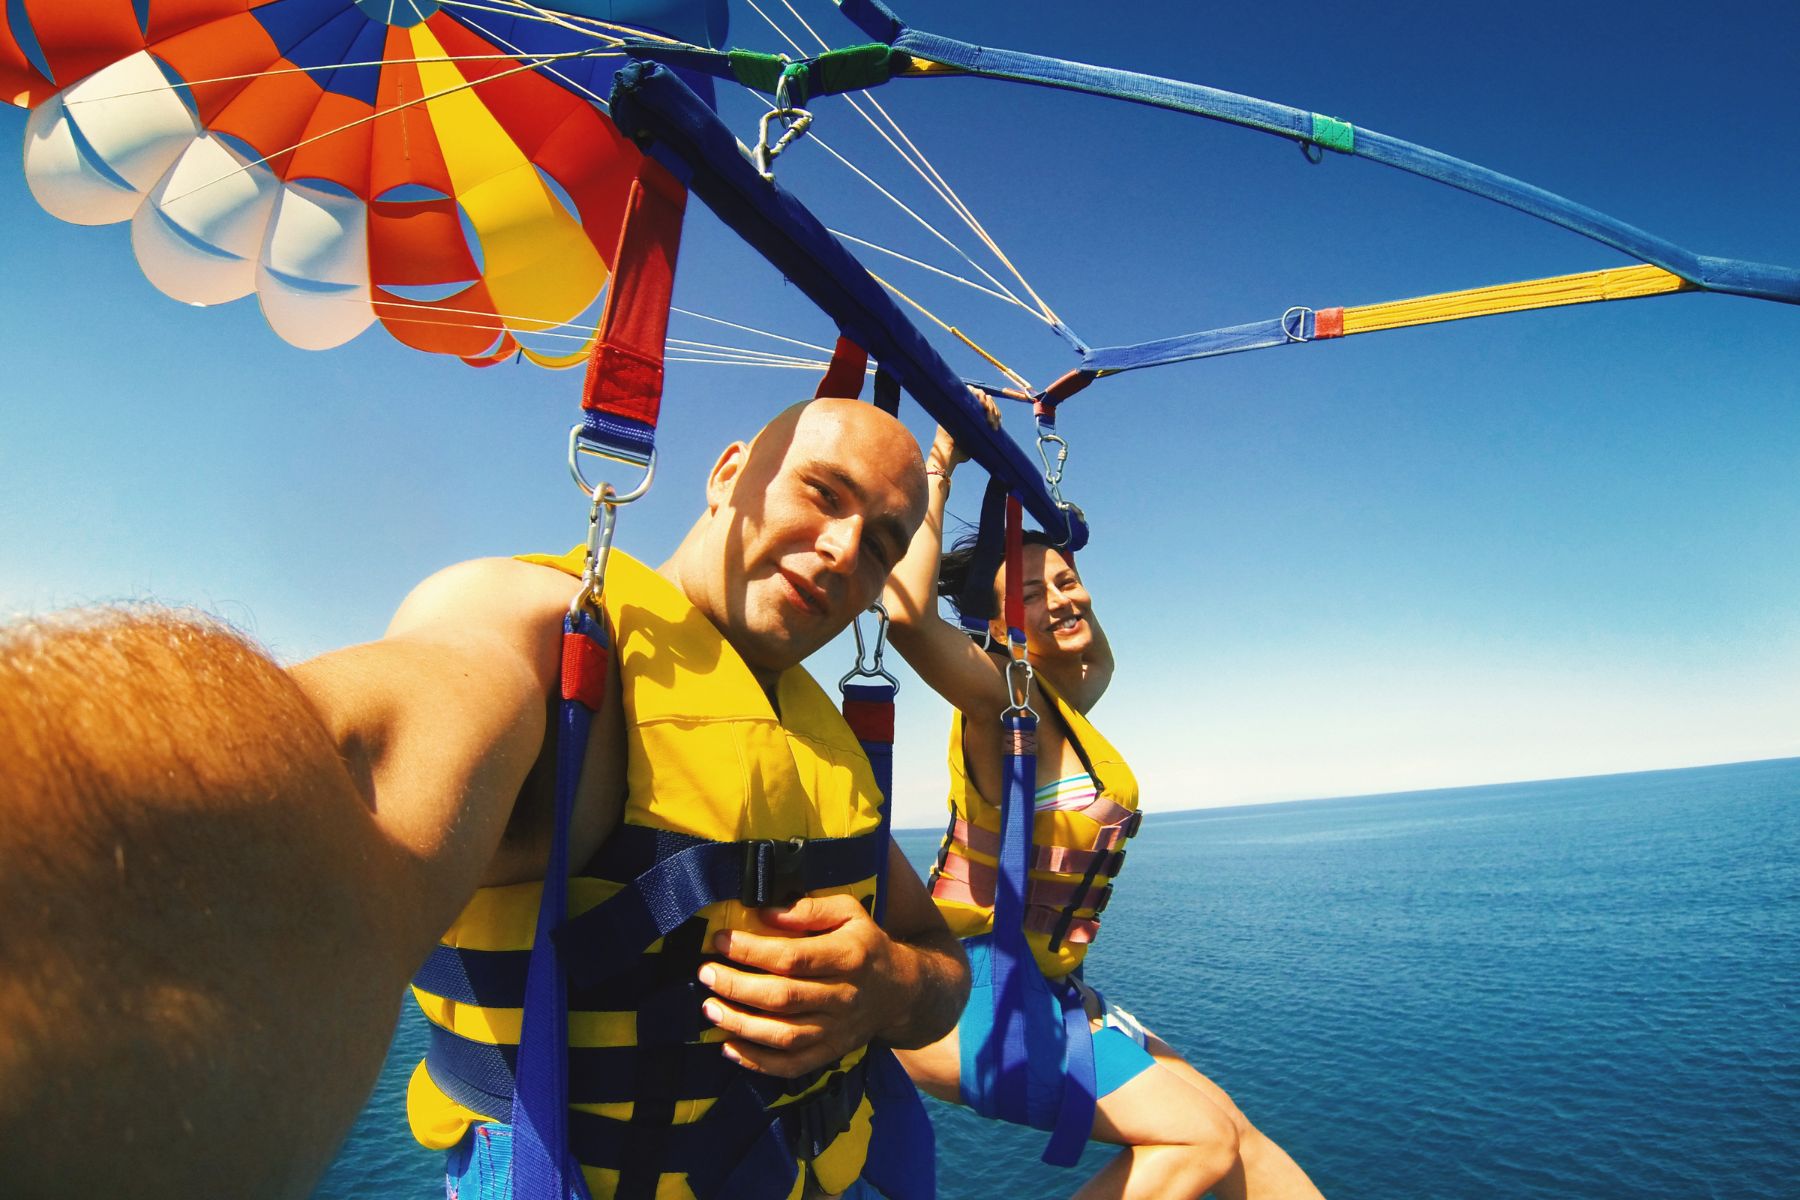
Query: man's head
x=802, y=527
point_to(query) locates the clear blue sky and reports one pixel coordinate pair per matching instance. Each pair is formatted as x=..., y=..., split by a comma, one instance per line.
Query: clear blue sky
x=1528, y=546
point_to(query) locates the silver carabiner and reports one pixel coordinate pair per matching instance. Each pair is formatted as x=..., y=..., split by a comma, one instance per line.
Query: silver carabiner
x=1020, y=695
x=1053, y=473
x=795, y=123
x=872, y=669
x=603, y=516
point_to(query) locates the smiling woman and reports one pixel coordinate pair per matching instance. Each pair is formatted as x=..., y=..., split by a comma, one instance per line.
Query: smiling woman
x=1041, y=807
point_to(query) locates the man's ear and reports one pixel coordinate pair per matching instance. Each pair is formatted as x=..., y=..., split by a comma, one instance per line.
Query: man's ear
x=725, y=473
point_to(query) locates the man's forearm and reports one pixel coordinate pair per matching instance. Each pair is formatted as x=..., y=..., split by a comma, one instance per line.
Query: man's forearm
x=198, y=960
x=932, y=973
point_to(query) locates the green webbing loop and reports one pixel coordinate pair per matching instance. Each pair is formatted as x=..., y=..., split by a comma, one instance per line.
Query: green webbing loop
x=848, y=70
x=757, y=71
x=1334, y=134
x=852, y=69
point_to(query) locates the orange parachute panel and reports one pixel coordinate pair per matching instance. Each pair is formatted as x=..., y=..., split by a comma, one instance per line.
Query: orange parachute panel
x=219, y=60
x=20, y=82
x=415, y=243
x=464, y=324
x=336, y=144
x=79, y=39
x=405, y=146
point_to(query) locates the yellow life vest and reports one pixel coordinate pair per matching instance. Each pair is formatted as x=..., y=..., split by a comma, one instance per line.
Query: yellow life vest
x=707, y=757
x=1076, y=853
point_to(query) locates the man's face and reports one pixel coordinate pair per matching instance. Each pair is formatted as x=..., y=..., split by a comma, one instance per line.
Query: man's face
x=806, y=526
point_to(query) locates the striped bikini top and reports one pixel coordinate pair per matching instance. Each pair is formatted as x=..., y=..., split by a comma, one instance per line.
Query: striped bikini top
x=1070, y=794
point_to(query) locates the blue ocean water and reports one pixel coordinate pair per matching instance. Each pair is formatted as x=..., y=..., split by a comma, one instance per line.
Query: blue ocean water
x=1573, y=988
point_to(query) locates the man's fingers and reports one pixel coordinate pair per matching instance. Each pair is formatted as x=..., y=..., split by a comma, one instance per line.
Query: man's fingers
x=770, y=993
x=770, y=1039
x=795, y=958
x=785, y=1064
x=815, y=914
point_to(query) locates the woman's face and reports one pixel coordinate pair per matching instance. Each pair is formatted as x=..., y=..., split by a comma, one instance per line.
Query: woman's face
x=1059, y=615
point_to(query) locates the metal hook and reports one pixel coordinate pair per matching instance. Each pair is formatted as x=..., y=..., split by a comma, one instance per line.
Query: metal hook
x=872, y=669
x=796, y=122
x=603, y=516
x=1020, y=695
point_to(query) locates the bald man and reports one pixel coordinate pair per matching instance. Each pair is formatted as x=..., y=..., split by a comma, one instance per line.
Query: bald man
x=216, y=876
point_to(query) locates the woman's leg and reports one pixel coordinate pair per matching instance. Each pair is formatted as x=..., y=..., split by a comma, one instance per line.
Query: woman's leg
x=1263, y=1169
x=1179, y=1145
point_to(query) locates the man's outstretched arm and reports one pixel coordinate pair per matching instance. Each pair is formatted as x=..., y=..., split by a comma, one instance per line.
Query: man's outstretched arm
x=210, y=901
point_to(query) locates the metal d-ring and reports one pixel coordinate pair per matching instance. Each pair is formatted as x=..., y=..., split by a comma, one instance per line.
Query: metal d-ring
x=603, y=516
x=1293, y=323
x=578, y=447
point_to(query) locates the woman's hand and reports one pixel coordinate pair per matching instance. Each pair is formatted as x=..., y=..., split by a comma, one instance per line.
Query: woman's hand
x=945, y=453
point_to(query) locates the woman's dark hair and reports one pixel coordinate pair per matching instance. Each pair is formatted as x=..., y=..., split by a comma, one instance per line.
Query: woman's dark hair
x=953, y=567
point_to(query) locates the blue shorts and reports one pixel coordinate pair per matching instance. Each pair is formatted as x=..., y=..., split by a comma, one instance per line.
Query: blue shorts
x=480, y=1166
x=1119, y=1053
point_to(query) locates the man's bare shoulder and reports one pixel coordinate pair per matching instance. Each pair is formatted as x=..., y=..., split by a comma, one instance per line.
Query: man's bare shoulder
x=486, y=596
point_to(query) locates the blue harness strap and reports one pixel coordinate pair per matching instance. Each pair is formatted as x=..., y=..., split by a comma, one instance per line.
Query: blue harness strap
x=1019, y=986
x=869, y=711
x=675, y=875
x=541, y=1166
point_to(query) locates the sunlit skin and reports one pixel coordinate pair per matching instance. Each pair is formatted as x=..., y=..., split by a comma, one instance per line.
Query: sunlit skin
x=803, y=527
x=225, y=871
x=1182, y=1136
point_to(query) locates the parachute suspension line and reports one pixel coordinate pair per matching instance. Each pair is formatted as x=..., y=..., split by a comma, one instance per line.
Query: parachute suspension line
x=588, y=26
x=349, y=125
x=921, y=165
x=962, y=209
x=941, y=189
x=178, y=84
x=822, y=144
x=723, y=355
x=925, y=266
x=688, y=312
x=573, y=85
x=1018, y=380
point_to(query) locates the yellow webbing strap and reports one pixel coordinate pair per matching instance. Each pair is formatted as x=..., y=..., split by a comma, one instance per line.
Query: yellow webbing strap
x=1618, y=283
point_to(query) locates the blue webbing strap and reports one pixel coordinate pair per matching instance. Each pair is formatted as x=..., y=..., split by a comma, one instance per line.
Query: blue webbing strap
x=687, y=874
x=650, y=102
x=1259, y=335
x=1012, y=959
x=975, y=603
x=1075, y=1113
x=1761, y=280
x=869, y=711
x=541, y=1167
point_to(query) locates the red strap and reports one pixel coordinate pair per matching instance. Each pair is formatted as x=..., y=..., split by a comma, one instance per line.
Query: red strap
x=870, y=720
x=625, y=370
x=584, y=667
x=1328, y=323
x=1015, y=566
x=1065, y=387
x=844, y=378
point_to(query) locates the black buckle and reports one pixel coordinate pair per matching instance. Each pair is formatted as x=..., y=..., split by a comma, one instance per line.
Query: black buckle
x=1133, y=822
x=774, y=873
x=1105, y=898
x=1116, y=865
